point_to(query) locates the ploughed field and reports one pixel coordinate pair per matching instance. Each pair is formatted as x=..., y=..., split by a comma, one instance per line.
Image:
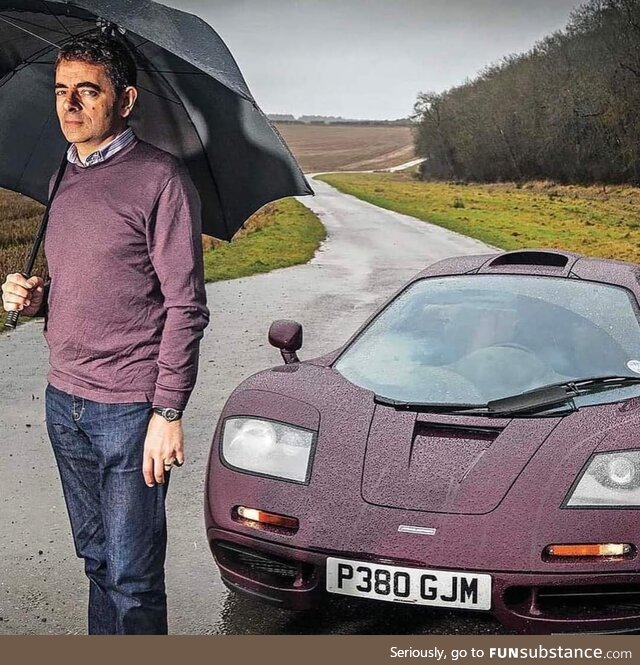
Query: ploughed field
x=348, y=147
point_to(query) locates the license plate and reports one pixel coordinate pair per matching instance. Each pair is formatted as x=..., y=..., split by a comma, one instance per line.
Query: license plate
x=420, y=586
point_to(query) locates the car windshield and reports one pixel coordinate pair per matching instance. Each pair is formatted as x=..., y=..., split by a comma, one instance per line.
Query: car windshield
x=470, y=339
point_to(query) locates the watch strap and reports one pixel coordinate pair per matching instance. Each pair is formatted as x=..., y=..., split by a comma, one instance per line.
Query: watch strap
x=168, y=413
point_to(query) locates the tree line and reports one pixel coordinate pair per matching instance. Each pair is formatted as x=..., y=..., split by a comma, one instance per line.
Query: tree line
x=567, y=110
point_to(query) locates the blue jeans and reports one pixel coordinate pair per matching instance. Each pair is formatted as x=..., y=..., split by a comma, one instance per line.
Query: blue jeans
x=118, y=523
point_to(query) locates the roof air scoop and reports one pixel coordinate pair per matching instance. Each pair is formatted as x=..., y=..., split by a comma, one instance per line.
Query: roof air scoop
x=530, y=258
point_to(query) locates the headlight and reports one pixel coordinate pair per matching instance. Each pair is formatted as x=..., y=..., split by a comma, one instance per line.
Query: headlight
x=267, y=447
x=610, y=479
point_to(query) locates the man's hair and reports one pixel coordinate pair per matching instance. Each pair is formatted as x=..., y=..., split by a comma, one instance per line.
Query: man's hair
x=103, y=50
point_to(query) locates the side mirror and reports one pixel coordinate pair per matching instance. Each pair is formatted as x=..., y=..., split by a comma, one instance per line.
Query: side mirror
x=286, y=336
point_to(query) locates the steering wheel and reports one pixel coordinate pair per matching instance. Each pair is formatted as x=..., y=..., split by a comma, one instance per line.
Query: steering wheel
x=504, y=369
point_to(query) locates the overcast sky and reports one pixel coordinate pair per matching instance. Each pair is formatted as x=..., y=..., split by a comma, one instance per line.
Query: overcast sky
x=369, y=58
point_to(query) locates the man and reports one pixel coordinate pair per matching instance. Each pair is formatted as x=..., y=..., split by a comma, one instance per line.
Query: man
x=125, y=310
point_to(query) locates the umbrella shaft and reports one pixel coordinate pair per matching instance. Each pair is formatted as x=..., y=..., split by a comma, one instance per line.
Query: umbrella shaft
x=12, y=317
x=33, y=255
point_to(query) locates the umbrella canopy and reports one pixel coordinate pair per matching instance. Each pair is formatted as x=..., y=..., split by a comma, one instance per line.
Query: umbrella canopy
x=193, y=102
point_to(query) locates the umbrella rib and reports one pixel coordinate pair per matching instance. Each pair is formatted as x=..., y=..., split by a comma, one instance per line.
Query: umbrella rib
x=157, y=94
x=57, y=18
x=23, y=21
x=171, y=71
x=142, y=43
x=204, y=152
x=37, y=54
x=33, y=34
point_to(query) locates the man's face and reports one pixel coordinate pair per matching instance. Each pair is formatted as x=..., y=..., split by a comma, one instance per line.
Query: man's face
x=88, y=108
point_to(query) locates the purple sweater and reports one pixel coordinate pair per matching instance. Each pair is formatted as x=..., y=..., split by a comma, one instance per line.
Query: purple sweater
x=126, y=304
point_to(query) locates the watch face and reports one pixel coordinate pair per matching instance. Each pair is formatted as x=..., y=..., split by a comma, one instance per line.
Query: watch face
x=168, y=413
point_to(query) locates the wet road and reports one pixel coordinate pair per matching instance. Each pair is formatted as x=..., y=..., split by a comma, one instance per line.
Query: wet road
x=369, y=253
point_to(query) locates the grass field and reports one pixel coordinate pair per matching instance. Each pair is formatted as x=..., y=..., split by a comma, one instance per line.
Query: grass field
x=19, y=220
x=597, y=221
x=282, y=234
x=347, y=147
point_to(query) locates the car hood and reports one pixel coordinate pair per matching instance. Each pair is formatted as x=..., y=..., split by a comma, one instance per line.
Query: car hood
x=446, y=464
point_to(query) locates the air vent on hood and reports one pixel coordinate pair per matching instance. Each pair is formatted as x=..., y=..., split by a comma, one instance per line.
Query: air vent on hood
x=456, y=431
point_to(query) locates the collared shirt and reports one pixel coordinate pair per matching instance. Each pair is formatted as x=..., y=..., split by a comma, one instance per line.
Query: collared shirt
x=119, y=143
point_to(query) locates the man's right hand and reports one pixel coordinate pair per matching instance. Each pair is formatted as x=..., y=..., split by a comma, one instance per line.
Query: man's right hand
x=24, y=295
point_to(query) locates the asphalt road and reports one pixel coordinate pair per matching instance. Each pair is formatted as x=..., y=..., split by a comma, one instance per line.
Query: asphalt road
x=369, y=253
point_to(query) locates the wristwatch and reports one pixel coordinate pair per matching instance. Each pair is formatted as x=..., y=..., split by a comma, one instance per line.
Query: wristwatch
x=168, y=414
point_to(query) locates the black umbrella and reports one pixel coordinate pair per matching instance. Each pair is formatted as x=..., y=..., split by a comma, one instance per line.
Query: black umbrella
x=193, y=103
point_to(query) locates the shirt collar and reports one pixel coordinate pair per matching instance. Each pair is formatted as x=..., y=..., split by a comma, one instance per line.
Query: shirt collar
x=119, y=143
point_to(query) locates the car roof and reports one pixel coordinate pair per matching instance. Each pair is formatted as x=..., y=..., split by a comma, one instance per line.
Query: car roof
x=545, y=262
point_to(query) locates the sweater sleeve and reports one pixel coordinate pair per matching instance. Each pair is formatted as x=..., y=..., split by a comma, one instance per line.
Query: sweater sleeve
x=175, y=248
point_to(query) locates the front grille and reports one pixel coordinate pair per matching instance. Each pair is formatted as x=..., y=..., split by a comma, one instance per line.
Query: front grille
x=263, y=567
x=579, y=602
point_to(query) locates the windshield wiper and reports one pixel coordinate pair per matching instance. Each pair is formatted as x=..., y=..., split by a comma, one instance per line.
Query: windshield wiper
x=551, y=397
x=431, y=407
x=611, y=381
x=486, y=410
x=556, y=394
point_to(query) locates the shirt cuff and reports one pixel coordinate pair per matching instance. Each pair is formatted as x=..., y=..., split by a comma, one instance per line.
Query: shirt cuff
x=171, y=399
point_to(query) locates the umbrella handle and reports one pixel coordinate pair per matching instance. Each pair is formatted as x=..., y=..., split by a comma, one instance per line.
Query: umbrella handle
x=12, y=317
x=12, y=320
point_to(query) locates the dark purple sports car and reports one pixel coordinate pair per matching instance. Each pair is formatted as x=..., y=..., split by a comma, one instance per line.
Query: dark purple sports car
x=475, y=445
